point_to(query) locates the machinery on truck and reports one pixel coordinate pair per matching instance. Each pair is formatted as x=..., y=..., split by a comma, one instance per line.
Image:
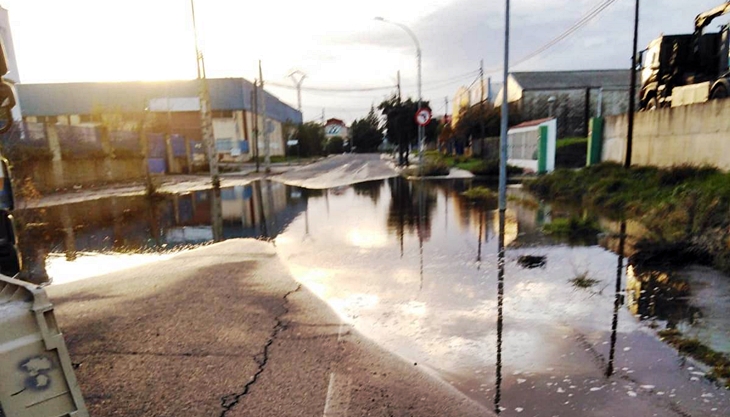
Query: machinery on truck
x=685, y=69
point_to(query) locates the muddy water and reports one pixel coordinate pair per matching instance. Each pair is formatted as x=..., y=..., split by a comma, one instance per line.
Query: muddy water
x=416, y=268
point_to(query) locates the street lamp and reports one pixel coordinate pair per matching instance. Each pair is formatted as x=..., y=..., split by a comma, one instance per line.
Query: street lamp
x=421, y=145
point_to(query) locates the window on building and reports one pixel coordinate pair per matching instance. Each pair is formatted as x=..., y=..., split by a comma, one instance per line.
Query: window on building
x=224, y=144
x=48, y=119
x=223, y=114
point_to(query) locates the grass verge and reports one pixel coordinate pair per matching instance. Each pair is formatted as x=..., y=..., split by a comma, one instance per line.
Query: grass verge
x=684, y=209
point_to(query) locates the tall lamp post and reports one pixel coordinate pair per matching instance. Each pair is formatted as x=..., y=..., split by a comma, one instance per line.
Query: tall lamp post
x=421, y=145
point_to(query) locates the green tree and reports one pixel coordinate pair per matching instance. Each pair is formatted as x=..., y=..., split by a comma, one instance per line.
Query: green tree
x=311, y=138
x=366, y=134
x=401, y=124
x=478, y=122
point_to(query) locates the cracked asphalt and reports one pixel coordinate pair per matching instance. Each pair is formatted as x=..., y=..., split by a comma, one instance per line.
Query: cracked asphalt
x=225, y=331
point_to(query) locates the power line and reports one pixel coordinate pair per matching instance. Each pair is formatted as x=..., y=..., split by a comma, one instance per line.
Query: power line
x=333, y=90
x=578, y=25
x=587, y=18
x=431, y=85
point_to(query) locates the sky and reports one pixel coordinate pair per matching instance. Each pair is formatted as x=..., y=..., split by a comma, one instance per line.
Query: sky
x=337, y=43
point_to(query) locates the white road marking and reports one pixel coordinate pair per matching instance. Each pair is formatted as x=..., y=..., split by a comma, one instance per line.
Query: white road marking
x=338, y=396
x=340, y=332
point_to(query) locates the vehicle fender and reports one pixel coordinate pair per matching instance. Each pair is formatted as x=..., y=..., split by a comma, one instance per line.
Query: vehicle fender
x=723, y=82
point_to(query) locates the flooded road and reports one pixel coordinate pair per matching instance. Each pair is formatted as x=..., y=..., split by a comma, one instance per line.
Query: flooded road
x=415, y=267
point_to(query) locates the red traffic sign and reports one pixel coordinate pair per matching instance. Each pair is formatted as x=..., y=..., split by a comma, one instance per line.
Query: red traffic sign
x=423, y=116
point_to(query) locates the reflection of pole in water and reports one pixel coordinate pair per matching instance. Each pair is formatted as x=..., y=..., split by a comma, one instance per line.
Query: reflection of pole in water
x=262, y=217
x=306, y=219
x=118, y=238
x=617, y=299
x=446, y=209
x=270, y=204
x=421, y=215
x=327, y=201
x=500, y=305
x=216, y=211
x=479, y=239
x=70, y=234
x=153, y=218
x=401, y=215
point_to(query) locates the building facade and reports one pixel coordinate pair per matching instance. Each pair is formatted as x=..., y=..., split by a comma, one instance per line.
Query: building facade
x=573, y=97
x=336, y=127
x=168, y=107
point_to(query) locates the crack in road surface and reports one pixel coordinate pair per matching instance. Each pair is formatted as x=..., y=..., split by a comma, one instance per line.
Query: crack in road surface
x=262, y=358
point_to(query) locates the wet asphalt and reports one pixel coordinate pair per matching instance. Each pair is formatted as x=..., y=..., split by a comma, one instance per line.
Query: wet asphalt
x=340, y=170
x=225, y=331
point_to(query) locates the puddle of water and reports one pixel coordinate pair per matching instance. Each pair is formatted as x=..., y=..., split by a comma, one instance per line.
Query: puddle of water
x=416, y=267
x=75, y=241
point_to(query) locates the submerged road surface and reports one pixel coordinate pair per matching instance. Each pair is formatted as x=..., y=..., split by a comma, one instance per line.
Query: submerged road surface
x=340, y=170
x=225, y=331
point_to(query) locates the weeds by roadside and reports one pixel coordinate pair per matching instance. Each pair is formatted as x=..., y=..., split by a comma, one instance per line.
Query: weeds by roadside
x=684, y=208
x=583, y=281
x=481, y=195
x=719, y=362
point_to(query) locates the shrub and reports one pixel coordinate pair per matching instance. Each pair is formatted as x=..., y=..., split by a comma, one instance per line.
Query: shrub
x=480, y=194
x=334, y=145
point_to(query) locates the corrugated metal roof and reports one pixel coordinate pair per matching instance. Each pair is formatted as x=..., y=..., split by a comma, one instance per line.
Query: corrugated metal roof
x=553, y=80
x=83, y=98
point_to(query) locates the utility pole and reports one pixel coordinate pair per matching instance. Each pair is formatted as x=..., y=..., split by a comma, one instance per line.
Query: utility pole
x=206, y=115
x=399, y=96
x=322, y=117
x=446, y=107
x=267, y=145
x=505, y=121
x=489, y=89
x=481, y=101
x=255, y=111
x=481, y=79
x=298, y=83
x=632, y=91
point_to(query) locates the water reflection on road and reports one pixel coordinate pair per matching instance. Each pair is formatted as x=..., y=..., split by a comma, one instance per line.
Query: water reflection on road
x=416, y=267
x=79, y=240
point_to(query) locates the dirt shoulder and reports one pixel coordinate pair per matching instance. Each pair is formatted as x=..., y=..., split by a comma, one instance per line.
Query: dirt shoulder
x=225, y=330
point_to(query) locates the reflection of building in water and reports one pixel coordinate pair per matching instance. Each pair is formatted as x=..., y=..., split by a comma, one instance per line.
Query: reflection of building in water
x=136, y=224
x=254, y=210
x=511, y=225
x=659, y=295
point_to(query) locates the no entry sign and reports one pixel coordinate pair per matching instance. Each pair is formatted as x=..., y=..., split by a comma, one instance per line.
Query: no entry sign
x=423, y=116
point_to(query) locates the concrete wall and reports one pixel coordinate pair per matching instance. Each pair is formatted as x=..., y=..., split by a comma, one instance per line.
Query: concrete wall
x=48, y=176
x=695, y=135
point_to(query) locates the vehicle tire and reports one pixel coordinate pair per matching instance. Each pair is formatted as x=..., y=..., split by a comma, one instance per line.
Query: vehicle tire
x=719, y=92
x=652, y=104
